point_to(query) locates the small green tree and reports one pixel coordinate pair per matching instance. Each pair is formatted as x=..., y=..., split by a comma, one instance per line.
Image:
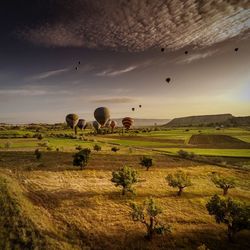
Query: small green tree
x=81, y=158
x=180, y=180
x=125, y=177
x=224, y=183
x=40, y=137
x=147, y=214
x=38, y=154
x=97, y=148
x=115, y=149
x=146, y=162
x=234, y=214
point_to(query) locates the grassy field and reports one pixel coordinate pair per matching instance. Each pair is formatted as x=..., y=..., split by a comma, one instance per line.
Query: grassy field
x=61, y=207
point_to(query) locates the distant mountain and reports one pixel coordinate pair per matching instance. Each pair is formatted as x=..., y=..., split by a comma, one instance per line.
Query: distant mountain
x=144, y=122
x=209, y=120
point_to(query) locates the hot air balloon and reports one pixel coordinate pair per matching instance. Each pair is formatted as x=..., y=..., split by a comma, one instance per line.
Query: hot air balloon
x=168, y=79
x=127, y=122
x=82, y=124
x=133, y=109
x=107, y=124
x=113, y=124
x=162, y=49
x=186, y=52
x=72, y=120
x=76, y=68
x=96, y=125
x=79, y=62
x=236, y=49
x=139, y=106
x=102, y=115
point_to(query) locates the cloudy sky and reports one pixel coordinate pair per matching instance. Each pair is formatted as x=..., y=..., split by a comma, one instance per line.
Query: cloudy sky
x=118, y=44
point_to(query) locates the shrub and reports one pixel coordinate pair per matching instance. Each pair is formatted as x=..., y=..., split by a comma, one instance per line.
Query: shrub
x=115, y=149
x=7, y=144
x=38, y=154
x=79, y=147
x=125, y=177
x=180, y=180
x=147, y=214
x=234, y=214
x=40, y=137
x=97, y=148
x=146, y=162
x=224, y=183
x=81, y=158
x=183, y=154
x=49, y=148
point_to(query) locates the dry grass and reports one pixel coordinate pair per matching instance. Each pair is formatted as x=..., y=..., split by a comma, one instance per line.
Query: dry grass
x=84, y=208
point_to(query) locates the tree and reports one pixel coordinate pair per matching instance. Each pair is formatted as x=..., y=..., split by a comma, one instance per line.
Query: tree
x=125, y=177
x=81, y=158
x=40, y=137
x=97, y=148
x=224, y=183
x=146, y=162
x=147, y=215
x=180, y=179
x=115, y=149
x=38, y=154
x=234, y=214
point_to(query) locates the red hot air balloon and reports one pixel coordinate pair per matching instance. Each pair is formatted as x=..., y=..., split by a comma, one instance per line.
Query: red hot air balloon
x=127, y=122
x=113, y=124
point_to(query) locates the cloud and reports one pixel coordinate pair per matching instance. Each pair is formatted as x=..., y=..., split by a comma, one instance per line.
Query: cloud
x=140, y=25
x=48, y=74
x=196, y=56
x=111, y=72
x=115, y=100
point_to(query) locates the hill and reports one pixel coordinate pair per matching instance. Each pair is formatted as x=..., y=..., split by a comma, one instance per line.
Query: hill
x=210, y=120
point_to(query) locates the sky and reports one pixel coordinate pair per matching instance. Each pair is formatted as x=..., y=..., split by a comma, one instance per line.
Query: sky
x=118, y=44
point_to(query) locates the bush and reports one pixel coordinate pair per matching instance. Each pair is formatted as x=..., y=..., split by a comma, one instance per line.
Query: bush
x=40, y=137
x=79, y=147
x=146, y=162
x=38, y=154
x=49, y=148
x=183, y=154
x=180, y=180
x=97, y=148
x=125, y=177
x=115, y=149
x=81, y=158
x=234, y=214
x=147, y=214
x=224, y=183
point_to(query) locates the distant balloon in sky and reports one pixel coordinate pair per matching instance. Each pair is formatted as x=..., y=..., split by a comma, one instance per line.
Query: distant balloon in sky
x=139, y=106
x=162, y=49
x=96, y=125
x=186, y=52
x=79, y=62
x=168, y=79
x=127, y=122
x=236, y=49
x=102, y=114
x=81, y=124
x=133, y=109
x=76, y=68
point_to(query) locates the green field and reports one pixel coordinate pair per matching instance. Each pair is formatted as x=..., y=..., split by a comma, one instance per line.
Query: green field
x=51, y=204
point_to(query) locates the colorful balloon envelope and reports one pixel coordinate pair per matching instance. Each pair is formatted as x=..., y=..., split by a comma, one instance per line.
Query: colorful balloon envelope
x=102, y=115
x=96, y=125
x=107, y=124
x=82, y=124
x=113, y=124
x=72, y=120
x=127, y=122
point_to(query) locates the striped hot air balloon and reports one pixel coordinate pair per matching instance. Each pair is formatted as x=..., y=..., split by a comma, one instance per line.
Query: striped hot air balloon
x=127, y=122
x=81, y=124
